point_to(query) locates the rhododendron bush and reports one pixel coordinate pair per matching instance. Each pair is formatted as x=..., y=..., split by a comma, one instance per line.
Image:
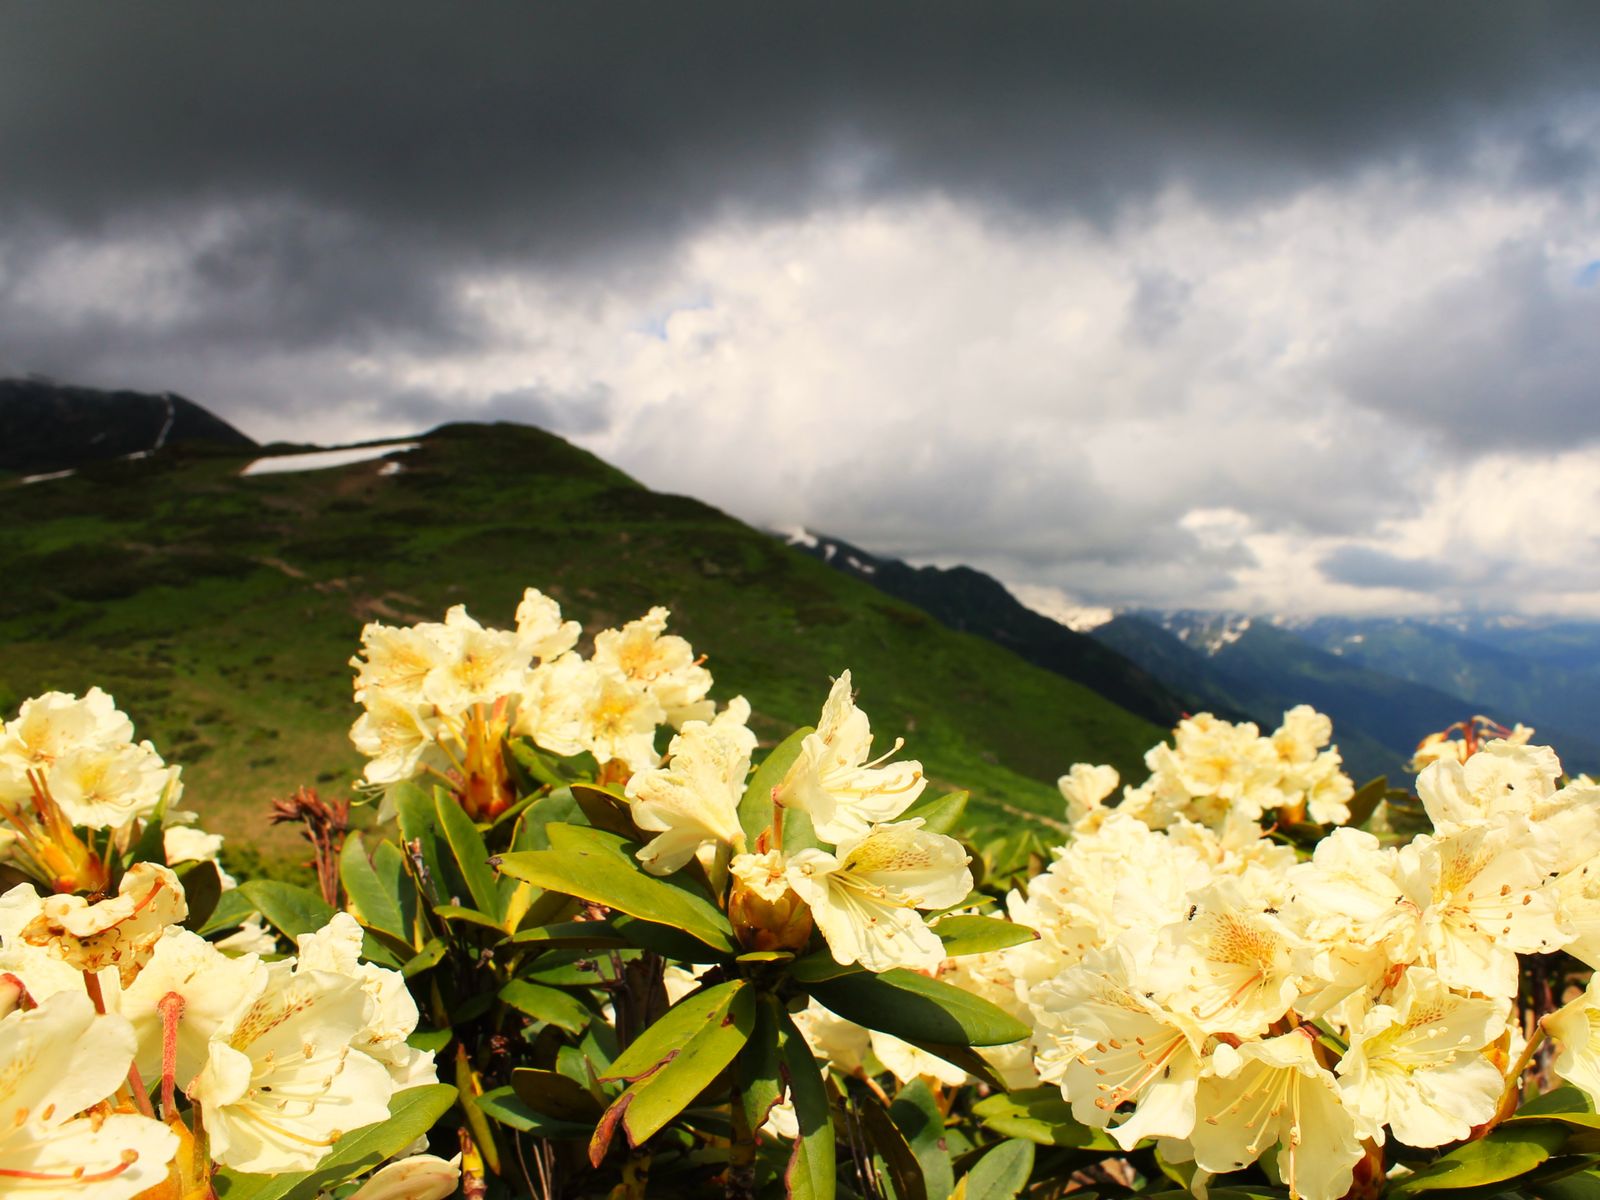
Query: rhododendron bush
x=597, y=942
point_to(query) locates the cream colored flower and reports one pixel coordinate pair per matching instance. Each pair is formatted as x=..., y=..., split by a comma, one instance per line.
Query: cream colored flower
x=1085, y=788
x=398, y=660
x=479, y=666
x=660, y=663
x=419, y=1177
x=694, y=800
x=1416, y=1064
x=1483, y=901
x=211, y=985
x=1107, y=1042
x=556, y=696
x=336, y=950
x=1576, y=1028
x=1232, y=967
x=121, y=931
x=865, y=897
x=1502, y=778
x=282, y=1083
x=620, y=722
x=396, y=733
x=834, y=783
x=1274, y=1092
x=56, y=1061
x=544, y=635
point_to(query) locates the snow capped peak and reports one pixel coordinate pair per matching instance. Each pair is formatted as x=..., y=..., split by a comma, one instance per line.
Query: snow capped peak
x=1059, y=607
x=1207, y=632
x=799, y=535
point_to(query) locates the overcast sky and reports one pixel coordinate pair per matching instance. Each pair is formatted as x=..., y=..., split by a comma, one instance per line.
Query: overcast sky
x=1259, y=305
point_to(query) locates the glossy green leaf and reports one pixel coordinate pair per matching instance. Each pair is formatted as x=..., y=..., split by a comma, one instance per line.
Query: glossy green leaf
x=665, y=940
x=390, y=865
x=1503, y=1154
x=411, y=1114
x=470, y=854
x=570, y=935
x=1001, y=1173
x=466, y=916
x=916, y=1113
x=979, y=935
x=419, y=827
x=292, y=909
x=429, y=956
x=599, y=867
x=810, y=1171
x=1041, y=1116
x=654, y=1100
x=202, y=889
x=608, y=809
x=913, y=1006
x=938, y=814
x=555, y=1095
x=547, y=1004
x=755, y=808
x=657, y=1043
x=820, y=967
x=758, y=1073
x=231, y=910
x=1366, y=800
x=1580, y=1185
x=502, y=1104
x=891, y=1153
x=367, y=897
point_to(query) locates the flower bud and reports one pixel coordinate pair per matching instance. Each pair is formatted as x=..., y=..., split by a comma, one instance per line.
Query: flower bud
x=765, y=912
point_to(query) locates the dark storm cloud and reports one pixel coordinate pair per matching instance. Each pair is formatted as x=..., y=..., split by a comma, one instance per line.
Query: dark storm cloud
x=546, y=129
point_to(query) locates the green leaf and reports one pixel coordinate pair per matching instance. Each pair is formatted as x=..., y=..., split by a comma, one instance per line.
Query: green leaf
x=411, y=1114
x=1582, y=1185
x=469, y=916
x=427, y=957
x=965, y=1057
x=470, y=854
x=979, y=935
x=664, y=940
x=419, y=826
x=666, y=1092
x=820, y=967
x=599, y=867
x=232, y=908
x=1504, y=1153
x=757, y=1073
x=368, y=899
x=810, y=1172
x=657, y=1043
x=505, y=1106
x=914, y=1007
x=891, y=1152
x=938, y=814
x=293, y=909
x=1002, y=1172
x=547, y=1004
x=202, y=888
x=674, y=1060
x=755, y=808
x=557, y=808
x=917, y=1114
x=554, y=1095
x=569, y=935
x=1365, y=802
x=607, y=809
x=389, y=864
x=1041, y=1116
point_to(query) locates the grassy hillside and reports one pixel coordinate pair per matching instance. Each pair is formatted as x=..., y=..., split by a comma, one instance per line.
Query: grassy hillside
x=221, y=612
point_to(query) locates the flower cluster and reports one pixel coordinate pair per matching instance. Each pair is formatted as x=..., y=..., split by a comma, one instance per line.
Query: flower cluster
x=103, y=986
x=1217, y=772
x=438, y=695
x=1198, y=983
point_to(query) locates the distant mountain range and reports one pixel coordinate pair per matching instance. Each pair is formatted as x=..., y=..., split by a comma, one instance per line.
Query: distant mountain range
x=47, y=427
x=1386, y=682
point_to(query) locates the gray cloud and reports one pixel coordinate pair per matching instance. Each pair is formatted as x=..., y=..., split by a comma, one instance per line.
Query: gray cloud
x=1508, y=356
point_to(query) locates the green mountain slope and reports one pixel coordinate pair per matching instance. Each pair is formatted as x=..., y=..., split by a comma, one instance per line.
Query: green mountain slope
x=221, y=611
